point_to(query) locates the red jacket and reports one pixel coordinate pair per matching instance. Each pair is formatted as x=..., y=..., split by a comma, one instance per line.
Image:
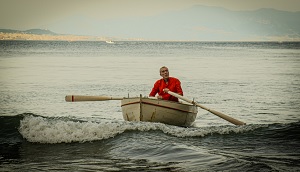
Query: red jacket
x=173, y=85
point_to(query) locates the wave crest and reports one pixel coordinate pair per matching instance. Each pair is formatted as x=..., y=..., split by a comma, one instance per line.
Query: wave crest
x=57, y=130
x=45, y=130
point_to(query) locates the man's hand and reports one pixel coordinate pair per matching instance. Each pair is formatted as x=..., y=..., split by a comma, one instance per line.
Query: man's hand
x=159, y=97
x=166, y=90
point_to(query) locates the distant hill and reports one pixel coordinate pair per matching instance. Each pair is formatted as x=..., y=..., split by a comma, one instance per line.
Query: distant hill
x=9, y=31
x=40, y=32
x=195, y=23
x=30, y=31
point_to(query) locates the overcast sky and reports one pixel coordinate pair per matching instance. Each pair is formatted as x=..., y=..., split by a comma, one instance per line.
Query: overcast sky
x=27, y=14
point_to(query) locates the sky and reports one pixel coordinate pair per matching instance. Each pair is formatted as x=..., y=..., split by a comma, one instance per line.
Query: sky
x=98, y=17
x=29, y=14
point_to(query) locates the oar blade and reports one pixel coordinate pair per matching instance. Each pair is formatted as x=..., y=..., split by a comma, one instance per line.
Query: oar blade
x=219, y=114
x=227, y=118
x=79, y=98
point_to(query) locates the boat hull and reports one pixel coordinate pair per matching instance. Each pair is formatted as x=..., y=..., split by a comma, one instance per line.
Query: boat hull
x=156, y=110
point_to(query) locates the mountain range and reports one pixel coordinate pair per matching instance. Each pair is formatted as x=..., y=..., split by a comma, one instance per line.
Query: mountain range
x=198, y=23
x=30, y=31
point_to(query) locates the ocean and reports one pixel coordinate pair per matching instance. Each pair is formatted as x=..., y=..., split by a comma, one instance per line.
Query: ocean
x=255, y=82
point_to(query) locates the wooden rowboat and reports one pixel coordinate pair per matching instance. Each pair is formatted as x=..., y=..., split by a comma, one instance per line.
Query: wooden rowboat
x=156, y=110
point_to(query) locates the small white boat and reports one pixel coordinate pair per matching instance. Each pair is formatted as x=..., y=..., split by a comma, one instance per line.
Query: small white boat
x=110, y=42
x=156, y=110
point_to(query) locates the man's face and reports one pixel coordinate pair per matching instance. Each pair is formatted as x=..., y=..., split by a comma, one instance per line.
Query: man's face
x=164, y=72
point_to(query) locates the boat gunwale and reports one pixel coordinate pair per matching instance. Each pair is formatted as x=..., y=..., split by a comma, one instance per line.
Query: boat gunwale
x=163, y=106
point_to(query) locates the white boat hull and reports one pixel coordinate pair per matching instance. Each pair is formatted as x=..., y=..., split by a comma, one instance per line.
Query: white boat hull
x=155, y=110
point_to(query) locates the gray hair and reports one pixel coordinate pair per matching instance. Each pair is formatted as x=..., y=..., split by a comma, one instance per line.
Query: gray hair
x=162, y=67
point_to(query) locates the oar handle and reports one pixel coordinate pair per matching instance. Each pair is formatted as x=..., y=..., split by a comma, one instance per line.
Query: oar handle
x=78, y=98
x=219, y=114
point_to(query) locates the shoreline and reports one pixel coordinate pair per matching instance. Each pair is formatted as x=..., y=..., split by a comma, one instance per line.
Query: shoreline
x=72, y=38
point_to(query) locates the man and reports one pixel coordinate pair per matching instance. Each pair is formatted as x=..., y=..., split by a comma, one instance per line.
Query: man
x=162, y=86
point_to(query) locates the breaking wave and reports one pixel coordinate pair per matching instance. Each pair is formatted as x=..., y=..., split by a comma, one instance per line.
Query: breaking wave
x=66, y=130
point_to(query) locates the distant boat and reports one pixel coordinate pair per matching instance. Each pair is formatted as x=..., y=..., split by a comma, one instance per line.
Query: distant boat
x=110, y=42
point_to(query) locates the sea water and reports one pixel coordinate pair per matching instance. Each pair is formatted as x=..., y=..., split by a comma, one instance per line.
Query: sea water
x=255, y=82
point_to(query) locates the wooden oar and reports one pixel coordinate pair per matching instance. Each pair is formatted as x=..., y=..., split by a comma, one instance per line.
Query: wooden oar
x=78, y=98
x=219, y=114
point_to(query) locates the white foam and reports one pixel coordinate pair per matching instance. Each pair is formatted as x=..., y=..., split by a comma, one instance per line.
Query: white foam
x=51, y=130
x=45, y=130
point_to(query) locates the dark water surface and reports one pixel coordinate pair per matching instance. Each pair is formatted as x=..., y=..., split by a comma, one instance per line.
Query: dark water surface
x=257, y=83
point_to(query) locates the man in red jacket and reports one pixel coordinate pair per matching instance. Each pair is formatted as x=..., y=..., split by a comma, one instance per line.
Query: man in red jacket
x=165, y=84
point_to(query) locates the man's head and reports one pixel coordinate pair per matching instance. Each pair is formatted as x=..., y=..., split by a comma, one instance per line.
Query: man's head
x=164, y=72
